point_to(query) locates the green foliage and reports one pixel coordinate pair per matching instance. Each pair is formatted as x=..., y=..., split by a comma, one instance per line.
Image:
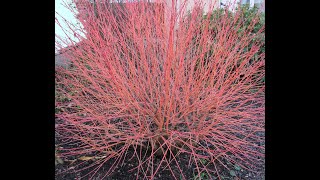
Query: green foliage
x=236, y=167
x=217, y=14
x=247, y=16
x=249, y=13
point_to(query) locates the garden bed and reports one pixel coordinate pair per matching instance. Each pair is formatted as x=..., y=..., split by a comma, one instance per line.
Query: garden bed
x=123, y=173
x=68, y=169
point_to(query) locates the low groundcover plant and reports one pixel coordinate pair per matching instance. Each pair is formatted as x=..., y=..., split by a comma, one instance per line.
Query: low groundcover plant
x=162, y=80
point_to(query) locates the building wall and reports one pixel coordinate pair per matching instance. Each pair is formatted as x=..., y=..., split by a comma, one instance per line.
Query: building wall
x=61, y=60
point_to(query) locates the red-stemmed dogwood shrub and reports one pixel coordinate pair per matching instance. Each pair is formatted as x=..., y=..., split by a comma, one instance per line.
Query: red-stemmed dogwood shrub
x=160, y=80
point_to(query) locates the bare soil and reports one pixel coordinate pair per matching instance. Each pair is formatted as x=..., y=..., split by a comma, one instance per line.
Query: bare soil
x=123, y=172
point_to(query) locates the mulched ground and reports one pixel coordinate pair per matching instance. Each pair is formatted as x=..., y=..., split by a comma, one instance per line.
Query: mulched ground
x=123, y=173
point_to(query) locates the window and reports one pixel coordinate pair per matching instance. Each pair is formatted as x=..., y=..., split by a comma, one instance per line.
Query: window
x=245, y=1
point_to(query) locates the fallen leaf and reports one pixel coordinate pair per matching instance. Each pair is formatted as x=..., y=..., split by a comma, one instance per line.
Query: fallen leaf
x=100, y=157
x=232, y=173
x=85, y=158
x=59, y=160
x=238, y=168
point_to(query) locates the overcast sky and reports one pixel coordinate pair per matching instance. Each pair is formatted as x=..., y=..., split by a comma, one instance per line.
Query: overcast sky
x=67, y=14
